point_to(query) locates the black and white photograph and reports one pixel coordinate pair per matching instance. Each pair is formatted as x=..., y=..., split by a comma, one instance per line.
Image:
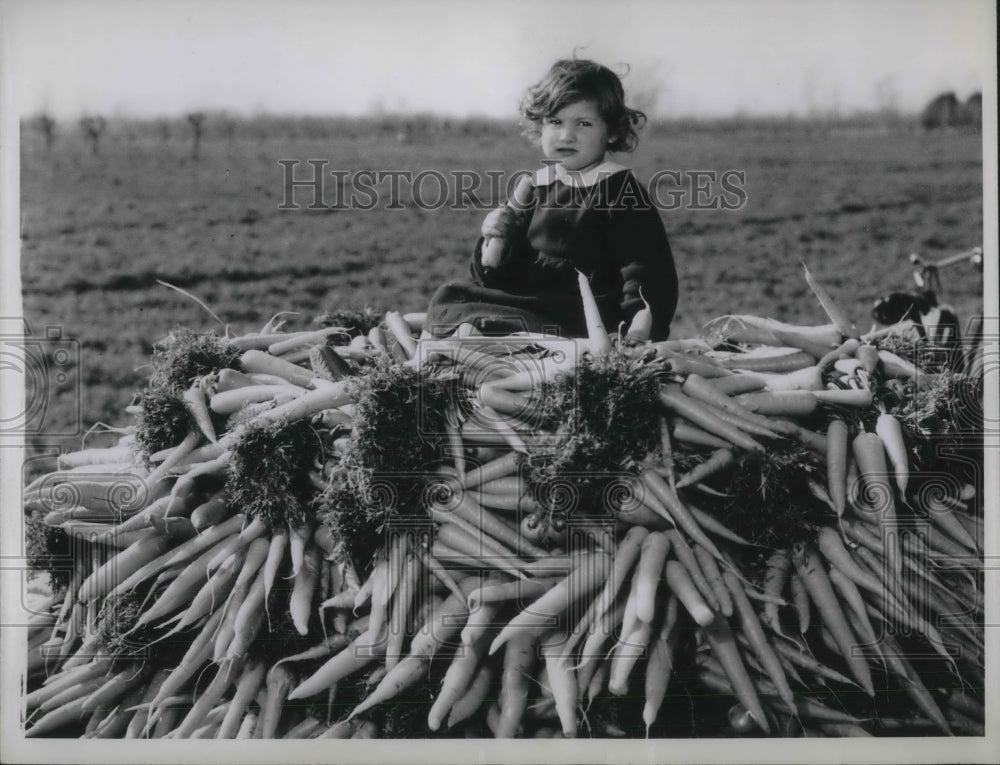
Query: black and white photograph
x=619, y=380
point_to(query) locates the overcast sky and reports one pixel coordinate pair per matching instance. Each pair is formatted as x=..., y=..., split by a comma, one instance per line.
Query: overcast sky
x=707, y=58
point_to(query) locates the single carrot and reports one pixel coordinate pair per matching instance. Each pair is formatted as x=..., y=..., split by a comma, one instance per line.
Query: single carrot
x=121, y=566
x=247, y=687
x=718, y=461
x=660, y=664
x=379, y=605
x=227, y=673
x=715, y=527
x=846, y=349
x=626, y=554
x=471, y=701
x=305, y=728
x=707, y=565
x=778, y=566
x=759, y=643
x=724, y=648
x=67, y=714
x=275, y=555
x=890, y=431
x=184, y=587
x=800, y=599
x=868, y=355
x=649, y=572
x=689, y=433
x=518, y=660
x=860, y=623
x=260, y=361
x=280, y=680
x=79, y=692
x=797, y=656
x=504, y=465
x=247, y=621
x=248, y=725
x=626, y=653
x=869, y=454
x=213, y=592
x=684, y=365
x=199, y=652
x=468, y=510
x=678, y=512
x=66, y=679
x=792, y=403
x=211, y=512
x=680, y=584
x=365, y=649
x=836, y=464
x=629, y=618
x=589, y=571
x=686, y=557
x=194, y=402
x=401, y=332
x=592, y=652
x=860, y=398
x=837, y=315
x=832, y=548
x=600, y=343
x=769, y=363
x=733, y=385
x=303, y=589
x=817, y=583
x=454, y=537
x=458, y=680
x=912, y=683
x=400, y=608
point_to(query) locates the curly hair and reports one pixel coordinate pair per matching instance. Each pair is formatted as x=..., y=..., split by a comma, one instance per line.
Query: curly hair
x=573, y=80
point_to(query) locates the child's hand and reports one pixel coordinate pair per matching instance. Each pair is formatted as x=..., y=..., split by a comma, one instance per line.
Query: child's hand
x=498, y=223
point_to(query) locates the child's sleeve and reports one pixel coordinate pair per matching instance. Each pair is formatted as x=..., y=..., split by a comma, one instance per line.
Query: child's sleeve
x=640, y=249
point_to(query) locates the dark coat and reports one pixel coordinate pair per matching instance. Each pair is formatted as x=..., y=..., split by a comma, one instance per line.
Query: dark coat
x=609, y=231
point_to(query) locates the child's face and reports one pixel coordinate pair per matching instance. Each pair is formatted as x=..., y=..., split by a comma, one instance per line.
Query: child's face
x=576, y=136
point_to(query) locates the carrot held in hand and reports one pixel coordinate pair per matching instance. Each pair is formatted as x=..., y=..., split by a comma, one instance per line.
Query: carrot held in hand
x=495, y=248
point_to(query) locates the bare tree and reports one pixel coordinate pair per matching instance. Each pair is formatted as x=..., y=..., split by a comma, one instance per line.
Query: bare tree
x=941, y=112
x=164, y=126
x=93, y=127
x=45, y=125
x=196, y=119
x=972, y=110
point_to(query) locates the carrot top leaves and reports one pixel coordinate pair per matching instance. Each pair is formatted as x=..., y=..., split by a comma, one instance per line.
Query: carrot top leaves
x=767, y=500
x=269, y=471
x=393, y=451
x=354, y=321
x=48, y=548
x=186, y=355
x=163, y=422
x=601, y=415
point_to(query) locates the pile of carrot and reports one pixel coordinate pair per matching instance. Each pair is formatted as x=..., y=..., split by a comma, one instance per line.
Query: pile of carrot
x=486, y=625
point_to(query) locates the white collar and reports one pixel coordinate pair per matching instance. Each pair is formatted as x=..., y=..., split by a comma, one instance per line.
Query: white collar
x=549, y=174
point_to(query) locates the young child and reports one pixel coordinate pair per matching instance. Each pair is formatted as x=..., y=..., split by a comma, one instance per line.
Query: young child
x=580, y=212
